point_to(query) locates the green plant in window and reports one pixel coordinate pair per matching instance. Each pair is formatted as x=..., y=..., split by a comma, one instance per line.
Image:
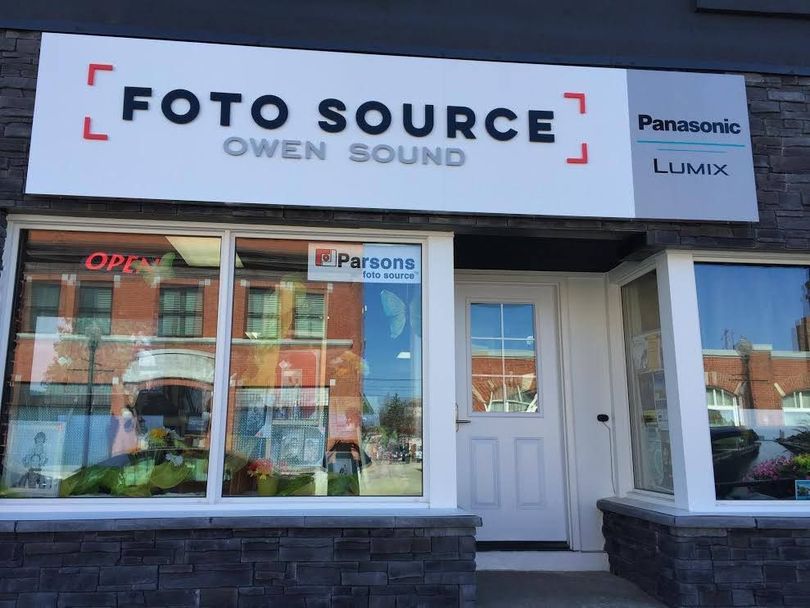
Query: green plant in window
x=802, y=462
x=343, y=485
x=296, y=485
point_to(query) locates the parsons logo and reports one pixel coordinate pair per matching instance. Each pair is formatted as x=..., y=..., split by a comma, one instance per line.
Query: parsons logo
x=325, y=257
x=364, y=263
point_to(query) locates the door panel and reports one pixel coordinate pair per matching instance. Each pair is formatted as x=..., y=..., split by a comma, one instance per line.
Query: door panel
x=485, y=472
x=509, y=404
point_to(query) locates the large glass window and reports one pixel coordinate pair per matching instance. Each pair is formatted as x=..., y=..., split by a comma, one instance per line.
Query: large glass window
x=754, y=325
x=652, y=456
x=100, y=401
x=326, y=390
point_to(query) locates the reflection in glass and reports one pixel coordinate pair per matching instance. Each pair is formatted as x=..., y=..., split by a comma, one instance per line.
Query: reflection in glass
x=326, y=396
x=485, y=320
x=755, y=328
x=504, y=367
x=652, y=460
x=99, y=402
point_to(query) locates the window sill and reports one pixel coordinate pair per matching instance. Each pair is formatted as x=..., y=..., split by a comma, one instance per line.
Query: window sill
x=55, y=521
x=675, y=517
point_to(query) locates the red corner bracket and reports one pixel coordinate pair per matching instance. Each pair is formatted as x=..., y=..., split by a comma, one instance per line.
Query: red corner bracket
x=93, y=68
x=90, y=135
x=583, y=157
x=578, y=96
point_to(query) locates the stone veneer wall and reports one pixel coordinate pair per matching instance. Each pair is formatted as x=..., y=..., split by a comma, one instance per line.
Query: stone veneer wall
x=306, y=562
x=693, y=560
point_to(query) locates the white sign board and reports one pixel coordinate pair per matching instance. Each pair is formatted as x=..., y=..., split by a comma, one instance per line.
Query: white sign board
x=150, y=119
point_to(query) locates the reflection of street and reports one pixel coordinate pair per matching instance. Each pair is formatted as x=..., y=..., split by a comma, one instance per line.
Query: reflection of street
x=392, y=478
x=768, y=450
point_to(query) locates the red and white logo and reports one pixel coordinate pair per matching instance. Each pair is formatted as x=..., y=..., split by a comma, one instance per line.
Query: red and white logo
x=326, y=257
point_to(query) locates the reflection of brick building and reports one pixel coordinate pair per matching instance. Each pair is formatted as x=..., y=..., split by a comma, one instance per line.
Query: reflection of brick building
x=498, y=377
x=151, y=325
x=773, y=375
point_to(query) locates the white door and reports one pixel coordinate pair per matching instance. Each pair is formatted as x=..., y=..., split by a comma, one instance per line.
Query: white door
x=509, y=419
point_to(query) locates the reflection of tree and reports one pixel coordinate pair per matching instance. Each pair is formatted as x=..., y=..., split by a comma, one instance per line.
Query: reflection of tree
x=397, y=417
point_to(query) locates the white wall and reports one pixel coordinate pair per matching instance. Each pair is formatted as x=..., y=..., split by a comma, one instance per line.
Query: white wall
x=586, y=365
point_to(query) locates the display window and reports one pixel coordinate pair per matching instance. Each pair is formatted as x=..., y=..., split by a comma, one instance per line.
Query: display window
x=113, y=368
x=649, y=414
x=326, y=350
x=755, y=332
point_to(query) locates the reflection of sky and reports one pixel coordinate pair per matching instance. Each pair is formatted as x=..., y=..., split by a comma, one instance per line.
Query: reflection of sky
x=386, y=373
x=760, y=303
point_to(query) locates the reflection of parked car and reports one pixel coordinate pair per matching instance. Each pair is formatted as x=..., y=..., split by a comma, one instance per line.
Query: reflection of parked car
x=733, y=450
x=730, y=442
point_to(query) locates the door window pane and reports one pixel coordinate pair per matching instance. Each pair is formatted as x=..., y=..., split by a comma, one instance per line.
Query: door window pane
x=754, y=328
x=652, y=456
x=100, y=401
x=332, y=406
x=503, y=358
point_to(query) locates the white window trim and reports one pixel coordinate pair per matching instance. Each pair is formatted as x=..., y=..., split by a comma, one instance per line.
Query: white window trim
x=692, y=470
x=438, y=375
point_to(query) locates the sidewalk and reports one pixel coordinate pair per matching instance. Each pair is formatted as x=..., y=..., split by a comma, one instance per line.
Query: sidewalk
x=559, y=590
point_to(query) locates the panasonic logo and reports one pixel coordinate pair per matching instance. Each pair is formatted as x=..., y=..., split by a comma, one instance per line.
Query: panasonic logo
x=721, y=127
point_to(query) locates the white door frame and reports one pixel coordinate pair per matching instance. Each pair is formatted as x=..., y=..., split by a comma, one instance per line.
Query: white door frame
x=558, y=281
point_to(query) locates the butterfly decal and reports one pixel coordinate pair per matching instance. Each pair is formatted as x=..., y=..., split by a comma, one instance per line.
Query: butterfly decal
x=398, y=312
x=160, y=270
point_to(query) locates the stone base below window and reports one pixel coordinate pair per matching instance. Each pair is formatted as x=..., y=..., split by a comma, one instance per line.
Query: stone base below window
x=702, y=560
x=320, y=561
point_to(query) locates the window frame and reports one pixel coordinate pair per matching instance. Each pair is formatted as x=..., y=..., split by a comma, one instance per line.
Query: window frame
x=76, y=314
x=308, y=334
x=185, y=289
x=439, y=475
x=733, y=407
x=694, y=480
x=28, y=323
x=271, y=291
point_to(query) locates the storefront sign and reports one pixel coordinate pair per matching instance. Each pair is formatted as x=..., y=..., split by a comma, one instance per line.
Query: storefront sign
x=364, y=263
x=149, y=119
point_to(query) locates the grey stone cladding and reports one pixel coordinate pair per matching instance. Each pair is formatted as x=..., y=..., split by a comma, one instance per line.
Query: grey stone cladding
x=780, y=127
x=299, y=562
x=734, y=562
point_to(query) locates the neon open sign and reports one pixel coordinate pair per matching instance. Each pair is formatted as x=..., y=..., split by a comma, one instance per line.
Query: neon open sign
x=110, y=262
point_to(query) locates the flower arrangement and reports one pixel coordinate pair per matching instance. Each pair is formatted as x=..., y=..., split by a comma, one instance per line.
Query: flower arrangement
x=158, y=437
x=260, y=469
x=775, y=468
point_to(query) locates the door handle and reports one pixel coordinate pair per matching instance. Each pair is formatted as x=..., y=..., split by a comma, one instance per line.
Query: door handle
x=458, y=420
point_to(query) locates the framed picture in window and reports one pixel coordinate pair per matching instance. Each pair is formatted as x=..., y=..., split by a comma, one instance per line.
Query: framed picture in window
x=33, y=458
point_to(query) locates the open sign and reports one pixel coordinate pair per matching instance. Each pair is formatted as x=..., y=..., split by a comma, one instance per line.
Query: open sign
x=109, y=262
